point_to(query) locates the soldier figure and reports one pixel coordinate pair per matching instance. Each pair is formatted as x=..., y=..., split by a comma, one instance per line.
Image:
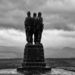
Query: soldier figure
x=28, y=28
x=34, y=25
x=38, y=28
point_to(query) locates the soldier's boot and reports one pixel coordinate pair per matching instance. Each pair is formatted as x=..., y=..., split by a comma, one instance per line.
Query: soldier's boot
x=35, y=39
x=28, y=38
x=38, y=37
x=31, y=38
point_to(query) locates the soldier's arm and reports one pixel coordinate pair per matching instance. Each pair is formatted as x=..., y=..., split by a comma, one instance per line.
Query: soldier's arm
x=41, y=20
x=24, y=21
x=42, y=24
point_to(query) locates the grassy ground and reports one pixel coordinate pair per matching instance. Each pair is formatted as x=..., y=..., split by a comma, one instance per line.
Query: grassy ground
x=10, y=63
x=54, y=63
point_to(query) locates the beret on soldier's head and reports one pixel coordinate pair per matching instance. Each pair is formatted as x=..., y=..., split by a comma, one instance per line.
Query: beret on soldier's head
x=39, y=13
x=28, y=13
x=34, y=14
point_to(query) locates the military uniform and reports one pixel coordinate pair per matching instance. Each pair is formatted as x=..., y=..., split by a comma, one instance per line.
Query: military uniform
x=35, y=29
x=38, y=29
x=28, y=29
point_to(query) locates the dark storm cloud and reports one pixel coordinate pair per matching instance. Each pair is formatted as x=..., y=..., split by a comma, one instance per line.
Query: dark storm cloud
x=10, y=26
x=13, y=12
x=57, y=14
x=60, y=14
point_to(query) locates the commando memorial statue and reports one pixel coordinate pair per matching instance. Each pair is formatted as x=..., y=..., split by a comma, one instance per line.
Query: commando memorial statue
x=33, y=26
x=34, y=51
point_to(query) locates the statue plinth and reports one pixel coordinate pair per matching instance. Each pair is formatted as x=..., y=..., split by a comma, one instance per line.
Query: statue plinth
x=33, y=58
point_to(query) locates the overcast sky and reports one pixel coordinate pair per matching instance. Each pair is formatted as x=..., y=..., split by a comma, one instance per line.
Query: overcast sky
x=59, y=25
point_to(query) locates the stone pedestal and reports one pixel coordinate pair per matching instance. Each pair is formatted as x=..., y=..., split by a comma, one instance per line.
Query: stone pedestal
x=33, y=57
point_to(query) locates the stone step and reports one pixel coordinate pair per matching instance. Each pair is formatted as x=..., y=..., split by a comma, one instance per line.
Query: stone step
x=35, y=64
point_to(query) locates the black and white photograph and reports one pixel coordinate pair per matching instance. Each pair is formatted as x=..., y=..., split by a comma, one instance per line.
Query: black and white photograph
x=37, y=37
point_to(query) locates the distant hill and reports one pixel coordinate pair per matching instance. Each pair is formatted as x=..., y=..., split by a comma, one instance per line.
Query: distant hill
x=66, y=52
x=69, y=48
x=11, y=52
x=17, y=52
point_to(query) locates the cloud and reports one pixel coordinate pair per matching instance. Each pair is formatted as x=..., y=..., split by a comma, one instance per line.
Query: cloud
x=53, y=40
x=57, y=14
x=7, y=5
x=57, y=39
x=60, y=21
x=13, y=19
x=59, y=5
x=50, y=38
x=68, y=34
x=11, y=37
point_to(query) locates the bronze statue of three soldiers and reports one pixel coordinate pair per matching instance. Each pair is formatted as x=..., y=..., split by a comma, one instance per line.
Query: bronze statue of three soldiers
x=33, y=26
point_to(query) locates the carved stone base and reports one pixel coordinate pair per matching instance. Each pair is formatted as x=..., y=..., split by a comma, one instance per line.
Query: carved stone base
x=33, y=58
x=42, y=70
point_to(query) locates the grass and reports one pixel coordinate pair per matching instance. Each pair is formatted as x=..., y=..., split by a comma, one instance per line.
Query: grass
x=64, y=63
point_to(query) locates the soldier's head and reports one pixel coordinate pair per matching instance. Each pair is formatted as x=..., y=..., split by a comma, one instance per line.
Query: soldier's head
x=39, y=14
x=28, y=14
x=34, y=14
